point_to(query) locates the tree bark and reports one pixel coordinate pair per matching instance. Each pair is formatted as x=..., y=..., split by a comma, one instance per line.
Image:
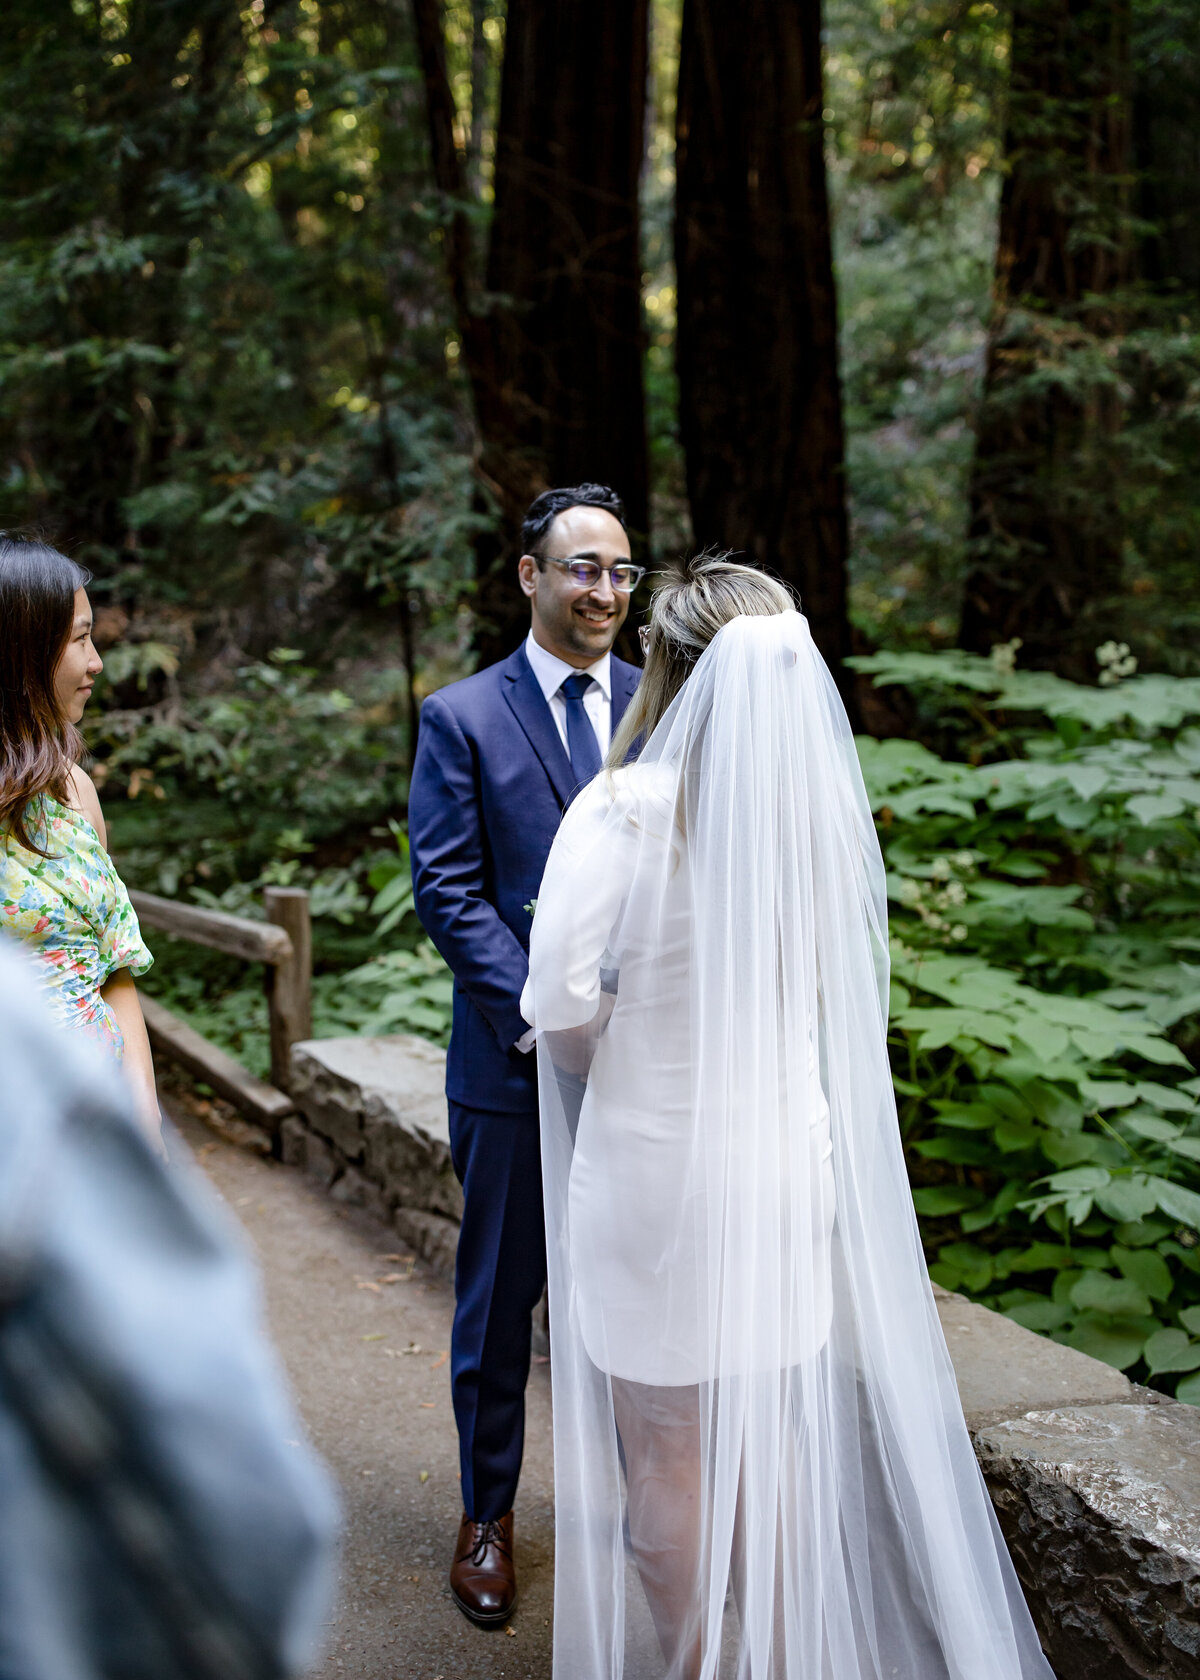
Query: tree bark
x=553, y=345
x=1045, y=534
x=760, y=399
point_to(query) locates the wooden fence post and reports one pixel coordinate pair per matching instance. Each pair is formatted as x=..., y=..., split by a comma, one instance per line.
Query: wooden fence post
x=289, y=984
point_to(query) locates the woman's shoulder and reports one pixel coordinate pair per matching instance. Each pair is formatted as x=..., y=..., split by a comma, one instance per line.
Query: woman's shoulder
x=81, y=792
x=638, y=787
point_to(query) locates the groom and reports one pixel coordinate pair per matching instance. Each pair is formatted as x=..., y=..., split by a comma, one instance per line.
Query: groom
x=499, y=758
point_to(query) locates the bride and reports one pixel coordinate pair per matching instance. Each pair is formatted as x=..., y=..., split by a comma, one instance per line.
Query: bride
x=761, y=1466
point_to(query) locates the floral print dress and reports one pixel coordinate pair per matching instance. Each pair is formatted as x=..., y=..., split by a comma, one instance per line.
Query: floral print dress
x=72, y=912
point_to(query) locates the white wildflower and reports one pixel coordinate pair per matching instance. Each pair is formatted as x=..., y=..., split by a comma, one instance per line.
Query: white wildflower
x=1004, y=656
x=1115, y=662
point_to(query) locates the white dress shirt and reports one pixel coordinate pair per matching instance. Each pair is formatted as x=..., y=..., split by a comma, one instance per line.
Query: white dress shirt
x=551, y=672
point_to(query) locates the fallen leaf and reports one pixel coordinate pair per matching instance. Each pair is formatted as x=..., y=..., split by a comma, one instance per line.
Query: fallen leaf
x=413, y=1347
x=511, y=1632
x=368, y=1283
x=415, y=1579
x=403, y=1259
x=393, y=1277
x=424, y=1476
x=428, y=1405
x=375, y=1336
x=440, y=1360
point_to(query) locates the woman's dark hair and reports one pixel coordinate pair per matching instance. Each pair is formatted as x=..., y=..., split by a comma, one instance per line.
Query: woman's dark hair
x=38, y=748
x=547, y=507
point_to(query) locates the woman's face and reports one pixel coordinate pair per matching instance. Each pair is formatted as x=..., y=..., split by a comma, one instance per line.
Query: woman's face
x=79, y=664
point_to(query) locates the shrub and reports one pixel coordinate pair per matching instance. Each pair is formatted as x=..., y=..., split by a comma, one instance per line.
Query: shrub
x=1046, y=903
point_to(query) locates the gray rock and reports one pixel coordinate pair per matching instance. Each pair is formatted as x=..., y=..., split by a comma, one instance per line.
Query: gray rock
x=320, y=1160
x=1100, y=1506
x=434, y=1238
x=355, y=1190
x=293, y=1141
x=381, y=1103
x=1002, y=1368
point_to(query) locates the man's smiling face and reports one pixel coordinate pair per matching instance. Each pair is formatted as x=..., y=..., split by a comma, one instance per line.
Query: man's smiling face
x=577, y=623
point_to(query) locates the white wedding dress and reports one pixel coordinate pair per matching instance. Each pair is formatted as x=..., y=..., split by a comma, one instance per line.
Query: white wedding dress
x=761, y=1466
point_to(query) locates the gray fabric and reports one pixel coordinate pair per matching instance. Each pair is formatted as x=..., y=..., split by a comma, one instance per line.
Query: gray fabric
x=161, y=1517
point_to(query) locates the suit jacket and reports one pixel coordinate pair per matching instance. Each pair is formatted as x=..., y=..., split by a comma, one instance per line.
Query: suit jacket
x=490, y=784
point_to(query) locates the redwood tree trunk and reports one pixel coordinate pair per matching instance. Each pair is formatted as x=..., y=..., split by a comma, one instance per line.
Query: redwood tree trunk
x=553, y=346
x=760, y=401
x=1046, y=531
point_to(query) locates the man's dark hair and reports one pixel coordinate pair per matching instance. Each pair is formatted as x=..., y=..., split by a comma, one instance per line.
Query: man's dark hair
x=547, y=507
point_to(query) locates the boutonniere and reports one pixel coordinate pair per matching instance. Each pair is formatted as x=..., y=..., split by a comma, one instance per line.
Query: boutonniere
x=530, y=907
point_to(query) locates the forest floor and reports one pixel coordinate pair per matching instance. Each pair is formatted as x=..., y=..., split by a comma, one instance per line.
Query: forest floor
x=370, y=1372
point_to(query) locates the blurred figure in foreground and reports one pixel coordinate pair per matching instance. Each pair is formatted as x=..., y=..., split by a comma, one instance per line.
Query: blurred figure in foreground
x=59, y=892
x=162, y=1517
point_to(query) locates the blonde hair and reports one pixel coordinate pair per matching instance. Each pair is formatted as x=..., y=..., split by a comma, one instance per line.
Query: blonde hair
x=696, y=598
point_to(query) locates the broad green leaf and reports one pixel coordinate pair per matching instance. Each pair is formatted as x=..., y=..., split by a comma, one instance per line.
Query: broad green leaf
x=1079, y=1178
x=1171, y=1350
x=1099, y=1292
x=1154, y=807
x=1053, y=1107
x=1141, y=1233
x=1104, y=1094
x=1042, y=1257
x=1171, y=1099
x=1145, y=1268
x=1127, y=1198
x=1159, y=1050
x=1114, y=1347
x=1189, y=1391
x=967, y=1117
x=1189, y=1147
x=937, y=1199
x=1177, y=1203
x=1191, y=1319
x=1011, y=1135
x=1038, y=1315
x=1047, y=1041
x=1151, y=1126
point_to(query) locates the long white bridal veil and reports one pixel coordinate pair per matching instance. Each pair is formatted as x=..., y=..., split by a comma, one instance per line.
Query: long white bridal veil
x=761, y=1465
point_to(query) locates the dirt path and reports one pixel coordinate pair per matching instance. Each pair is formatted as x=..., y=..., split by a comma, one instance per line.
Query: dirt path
x=364, y=1334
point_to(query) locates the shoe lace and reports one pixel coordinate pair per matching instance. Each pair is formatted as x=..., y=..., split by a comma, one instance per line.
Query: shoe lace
x=489, y=1534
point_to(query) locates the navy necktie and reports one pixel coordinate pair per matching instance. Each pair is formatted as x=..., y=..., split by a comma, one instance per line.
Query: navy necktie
x=582, y=745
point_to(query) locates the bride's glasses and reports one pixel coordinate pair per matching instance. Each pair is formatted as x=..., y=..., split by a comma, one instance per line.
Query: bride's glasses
x=586, y=573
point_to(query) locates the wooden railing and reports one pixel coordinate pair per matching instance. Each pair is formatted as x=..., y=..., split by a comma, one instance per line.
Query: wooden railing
x=284, y=943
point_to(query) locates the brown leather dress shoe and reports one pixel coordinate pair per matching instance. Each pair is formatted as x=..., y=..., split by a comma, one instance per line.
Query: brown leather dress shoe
x=483, y=1577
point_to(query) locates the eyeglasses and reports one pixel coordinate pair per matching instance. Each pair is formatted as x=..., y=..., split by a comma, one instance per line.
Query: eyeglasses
x=586, y=573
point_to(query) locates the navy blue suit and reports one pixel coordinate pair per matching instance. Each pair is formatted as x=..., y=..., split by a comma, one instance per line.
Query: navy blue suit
x=490, y=784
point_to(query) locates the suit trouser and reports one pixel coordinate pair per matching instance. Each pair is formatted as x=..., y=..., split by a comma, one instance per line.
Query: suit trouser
x=499, y=1278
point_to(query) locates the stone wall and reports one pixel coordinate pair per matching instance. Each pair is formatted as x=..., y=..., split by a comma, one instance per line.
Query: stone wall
x=1096, y=1482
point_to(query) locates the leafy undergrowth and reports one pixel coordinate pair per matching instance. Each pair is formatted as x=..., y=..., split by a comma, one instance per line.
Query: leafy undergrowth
x=1045, y=893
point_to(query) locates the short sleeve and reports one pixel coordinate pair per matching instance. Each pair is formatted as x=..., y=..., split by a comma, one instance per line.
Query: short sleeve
x=120, y=935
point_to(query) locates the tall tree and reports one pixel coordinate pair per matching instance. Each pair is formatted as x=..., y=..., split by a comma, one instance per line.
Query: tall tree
x=1046, y=537
x=760, y=401
x=552, y=339
x=107, y=176
x=1166, y=57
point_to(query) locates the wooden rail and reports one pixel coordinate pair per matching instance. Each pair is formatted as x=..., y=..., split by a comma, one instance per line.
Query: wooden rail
x=284, y=943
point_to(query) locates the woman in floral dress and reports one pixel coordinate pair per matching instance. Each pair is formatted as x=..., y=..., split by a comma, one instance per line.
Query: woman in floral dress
x=60, y=894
